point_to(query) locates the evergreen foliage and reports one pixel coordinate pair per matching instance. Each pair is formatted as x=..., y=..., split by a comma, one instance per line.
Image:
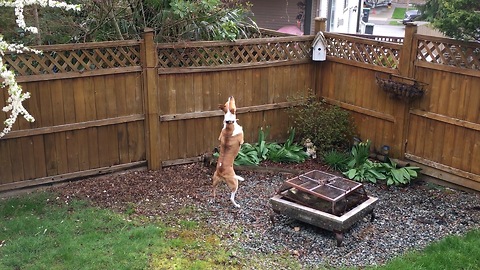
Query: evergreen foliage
x=459, y=19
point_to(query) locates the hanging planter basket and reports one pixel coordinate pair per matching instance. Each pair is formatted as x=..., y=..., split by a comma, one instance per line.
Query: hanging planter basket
x=399, y=87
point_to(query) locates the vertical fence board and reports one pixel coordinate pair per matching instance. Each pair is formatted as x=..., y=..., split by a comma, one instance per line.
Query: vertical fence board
x=100, y=97
x=45, y=100
x=114, y=147
x=83, y=153
x=110, y=96
x=181, y=145
x=476, y=154
x=61, y=148
x=439, y=139
x=68, y=92
x=249, y=101
x=428, y=139
x=122, y=135
x=73, y=149
x=79, y=100
x=473, y=101
x=28, y=159
x=103, y=146
x=131, y=101
x=449, y=143
x=80, y=88
x=209, y=142
x=190, y=100
x=33, y=105
x=57, y=103
x=457, y=153
x=5, y=162
x=137, y=137
x=93, y=154
x=173, y=139
x=466, y=160
x=50, y=154
x=198, y=127
x=163, y=87
x=132, y=141
x=90, y=99
x=257, y=95
x=16, y=157
x=453, y=100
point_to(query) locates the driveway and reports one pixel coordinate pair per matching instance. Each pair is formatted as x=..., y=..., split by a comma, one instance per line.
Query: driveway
x=381, y=17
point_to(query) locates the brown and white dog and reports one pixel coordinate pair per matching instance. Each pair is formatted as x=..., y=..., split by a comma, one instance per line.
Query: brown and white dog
x=231, y=138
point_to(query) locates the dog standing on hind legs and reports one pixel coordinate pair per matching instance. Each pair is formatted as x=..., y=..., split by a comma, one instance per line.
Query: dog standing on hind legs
x=231, y=138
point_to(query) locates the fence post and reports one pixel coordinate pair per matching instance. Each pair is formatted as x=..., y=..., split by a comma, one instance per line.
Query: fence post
x=406, y=68
x=149, y=63
x=408, y=53
x=320, y=24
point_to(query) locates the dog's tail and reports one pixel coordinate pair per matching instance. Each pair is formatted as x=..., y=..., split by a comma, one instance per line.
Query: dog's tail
x=239, y=178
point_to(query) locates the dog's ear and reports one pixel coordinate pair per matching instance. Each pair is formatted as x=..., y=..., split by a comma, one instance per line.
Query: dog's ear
x=222, y=107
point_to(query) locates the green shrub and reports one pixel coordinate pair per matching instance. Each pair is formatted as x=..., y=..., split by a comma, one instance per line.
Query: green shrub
x=288, y=152
x=360, y=168
x=253, y=154
x=336, y=160
x=328, y=127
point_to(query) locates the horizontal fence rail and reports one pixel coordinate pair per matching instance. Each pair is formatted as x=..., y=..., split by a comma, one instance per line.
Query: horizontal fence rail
x=366, y=51
x=238, y=53
x=398, y=40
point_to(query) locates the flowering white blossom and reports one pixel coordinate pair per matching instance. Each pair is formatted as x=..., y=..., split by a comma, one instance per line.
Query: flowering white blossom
x=15, y=94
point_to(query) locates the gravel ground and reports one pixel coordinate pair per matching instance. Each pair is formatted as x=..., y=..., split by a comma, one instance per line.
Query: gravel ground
x=406, y=218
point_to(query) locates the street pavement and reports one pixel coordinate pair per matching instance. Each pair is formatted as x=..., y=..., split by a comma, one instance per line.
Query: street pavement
x=380, y=18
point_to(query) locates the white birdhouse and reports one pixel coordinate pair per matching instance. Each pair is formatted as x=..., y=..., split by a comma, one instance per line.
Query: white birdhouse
x=319, y=51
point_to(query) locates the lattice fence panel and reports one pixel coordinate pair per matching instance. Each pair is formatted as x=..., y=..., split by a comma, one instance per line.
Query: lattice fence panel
x=58, y=60
x=365, y=51
x=228, y=54
x=449, y=52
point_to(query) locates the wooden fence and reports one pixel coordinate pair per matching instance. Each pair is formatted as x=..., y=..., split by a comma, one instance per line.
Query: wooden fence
x=110, y=106
x=88, y=103
x=439, y=131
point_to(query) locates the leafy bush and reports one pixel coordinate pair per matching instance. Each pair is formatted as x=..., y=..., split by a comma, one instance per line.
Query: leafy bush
x=288, y=152
x=329, y=127
x=361, y=169
x=253, y=154
x=247, y=155
x=399, y=176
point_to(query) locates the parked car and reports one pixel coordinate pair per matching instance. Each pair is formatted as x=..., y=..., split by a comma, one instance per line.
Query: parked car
x=411, y=15
x=376, y=3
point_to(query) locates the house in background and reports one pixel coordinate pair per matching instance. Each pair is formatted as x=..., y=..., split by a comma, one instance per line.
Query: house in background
x=343, y=16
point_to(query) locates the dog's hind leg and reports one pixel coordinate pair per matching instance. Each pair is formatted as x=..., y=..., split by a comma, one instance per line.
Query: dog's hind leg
x=232, y=198
x=216, y=180
x=233, y=184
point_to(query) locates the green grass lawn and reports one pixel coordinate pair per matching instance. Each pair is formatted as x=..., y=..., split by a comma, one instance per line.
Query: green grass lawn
x=399, y=13
x=38, y=232
x=453, y=252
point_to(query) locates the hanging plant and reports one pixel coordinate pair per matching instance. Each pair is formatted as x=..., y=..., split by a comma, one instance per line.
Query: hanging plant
x=401, y=87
